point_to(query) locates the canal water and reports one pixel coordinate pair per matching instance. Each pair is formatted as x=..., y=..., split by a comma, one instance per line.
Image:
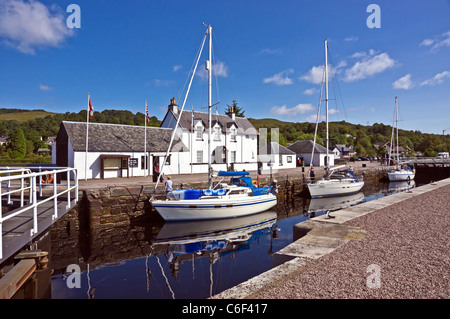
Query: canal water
x=187, y=260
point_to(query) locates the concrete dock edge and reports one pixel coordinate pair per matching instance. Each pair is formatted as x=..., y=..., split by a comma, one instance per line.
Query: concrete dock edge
x=320, y=236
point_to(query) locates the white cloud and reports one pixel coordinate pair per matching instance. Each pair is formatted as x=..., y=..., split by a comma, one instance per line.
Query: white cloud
x=427, y=42
x=290, y=112
x=280, y=78
x=404, y=83
x=369, y=65
x=351, y=39
x=26, y=26
x=437, y=79
x=313, y=117
x=176, y=68
x=315, y=75
x=310, y=91
x=218, y=69
x=333, y=111
x=43, y=87
x=437, y=42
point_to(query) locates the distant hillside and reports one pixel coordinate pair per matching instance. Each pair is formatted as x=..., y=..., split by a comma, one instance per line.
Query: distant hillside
x=257, y=123
x=22, y=115
x=361, y=137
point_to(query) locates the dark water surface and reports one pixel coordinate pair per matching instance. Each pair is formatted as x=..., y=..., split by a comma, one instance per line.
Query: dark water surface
x=191, y=259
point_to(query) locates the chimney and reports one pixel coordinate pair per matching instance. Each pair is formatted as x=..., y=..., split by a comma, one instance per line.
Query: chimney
x=231, y=113
x=173, y=106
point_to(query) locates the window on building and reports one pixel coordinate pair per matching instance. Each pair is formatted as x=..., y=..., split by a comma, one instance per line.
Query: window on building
x=233, y=135
x=143, y=160
x=280, y=158
x=217, y=133
x=233, y=157
x=199, y=156
x=289, y=159
x=199, y=132
x=168, y=160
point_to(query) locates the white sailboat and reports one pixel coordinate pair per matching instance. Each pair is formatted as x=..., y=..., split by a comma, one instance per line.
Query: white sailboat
x=238, y=198
x=336, y=182
x=401, y=172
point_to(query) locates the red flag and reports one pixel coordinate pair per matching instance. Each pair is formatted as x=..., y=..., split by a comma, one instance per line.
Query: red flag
x=147, y=118
x=91, y=108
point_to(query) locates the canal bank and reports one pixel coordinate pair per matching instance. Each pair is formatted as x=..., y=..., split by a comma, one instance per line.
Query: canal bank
x=120, y=200
x=393, y=247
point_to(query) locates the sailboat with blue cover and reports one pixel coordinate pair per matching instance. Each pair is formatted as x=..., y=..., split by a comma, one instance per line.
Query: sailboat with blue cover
x=236, y=198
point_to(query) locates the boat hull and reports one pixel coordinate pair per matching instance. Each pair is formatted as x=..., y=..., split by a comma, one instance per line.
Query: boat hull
x=402, y=175
x=214, y=208
x=328, y=188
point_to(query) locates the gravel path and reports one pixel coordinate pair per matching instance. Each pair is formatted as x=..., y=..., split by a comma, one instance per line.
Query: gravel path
x=409, y=241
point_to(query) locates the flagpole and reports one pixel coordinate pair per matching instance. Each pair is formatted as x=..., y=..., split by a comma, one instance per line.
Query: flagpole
x=145, y=139
x=192, y=138
x=87, y=139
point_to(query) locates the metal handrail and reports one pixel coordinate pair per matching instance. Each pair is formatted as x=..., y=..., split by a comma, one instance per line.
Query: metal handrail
x=33, y=198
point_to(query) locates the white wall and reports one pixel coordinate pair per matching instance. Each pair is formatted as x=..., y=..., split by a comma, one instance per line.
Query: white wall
x=275, y=159
x=319, y=159
x=177, y=165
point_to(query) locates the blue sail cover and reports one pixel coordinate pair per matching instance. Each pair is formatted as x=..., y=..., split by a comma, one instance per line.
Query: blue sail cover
x=231, y=173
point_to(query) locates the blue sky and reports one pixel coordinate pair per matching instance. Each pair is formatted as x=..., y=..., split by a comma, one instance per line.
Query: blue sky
x=268, y=57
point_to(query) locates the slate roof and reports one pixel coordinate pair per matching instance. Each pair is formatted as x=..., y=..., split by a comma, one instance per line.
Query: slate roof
x=306, y=146
x=243, y=125
x=275, y=148
x=120, y=138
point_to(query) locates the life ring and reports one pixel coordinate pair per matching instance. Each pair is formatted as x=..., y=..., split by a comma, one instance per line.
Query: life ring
x=47, y=178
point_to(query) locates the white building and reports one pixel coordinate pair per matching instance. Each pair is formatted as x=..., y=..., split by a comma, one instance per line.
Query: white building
x=303, y=150
x=234, y=143
x=276, y=156
x=116, y=150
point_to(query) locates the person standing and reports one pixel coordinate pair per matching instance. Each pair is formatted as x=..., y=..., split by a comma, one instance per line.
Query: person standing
x=168, y=186
x=312, y=174
x=155, y=172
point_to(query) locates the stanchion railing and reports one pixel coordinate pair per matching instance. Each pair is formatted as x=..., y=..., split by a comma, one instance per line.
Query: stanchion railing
x=23, y=180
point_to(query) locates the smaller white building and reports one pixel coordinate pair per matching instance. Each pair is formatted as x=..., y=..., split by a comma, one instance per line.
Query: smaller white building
x=116, y=150
x=276, y=156
x=303, y=150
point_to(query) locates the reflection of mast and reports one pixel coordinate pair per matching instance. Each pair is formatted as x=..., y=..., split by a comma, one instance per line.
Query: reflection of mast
x=148, y=273
x=90, y=292
x=213, y=257
x=164, y=275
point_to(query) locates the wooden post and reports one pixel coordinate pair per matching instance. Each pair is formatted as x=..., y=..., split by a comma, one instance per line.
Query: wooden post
x=16, y=277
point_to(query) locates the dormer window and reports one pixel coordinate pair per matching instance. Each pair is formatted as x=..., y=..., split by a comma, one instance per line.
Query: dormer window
x=199, y=133
x=233, y=134
x=217, y=133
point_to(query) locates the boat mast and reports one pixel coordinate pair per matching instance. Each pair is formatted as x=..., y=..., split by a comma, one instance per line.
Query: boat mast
x=209, y=68
x=327, y=166
x=396, y=126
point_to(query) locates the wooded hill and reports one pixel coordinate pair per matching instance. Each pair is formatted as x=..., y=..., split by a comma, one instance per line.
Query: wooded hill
x=24, y=132
x=361, y=137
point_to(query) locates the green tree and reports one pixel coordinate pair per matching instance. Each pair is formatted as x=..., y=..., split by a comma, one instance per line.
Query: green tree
x=237, y=109
x=17, y=144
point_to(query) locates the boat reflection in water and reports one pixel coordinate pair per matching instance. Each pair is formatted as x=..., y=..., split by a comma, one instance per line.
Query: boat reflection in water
x=400, y=186
x=334, y=203
x=186, y=241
